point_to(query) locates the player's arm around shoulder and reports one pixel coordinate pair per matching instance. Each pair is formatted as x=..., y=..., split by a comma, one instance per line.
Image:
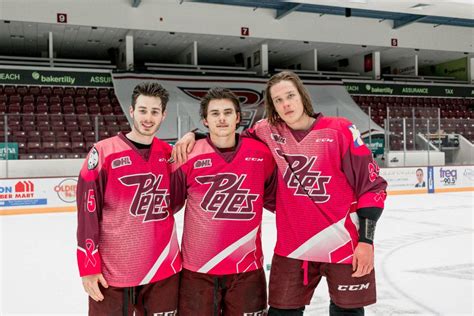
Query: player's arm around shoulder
x=179, y=177
x=271, y=176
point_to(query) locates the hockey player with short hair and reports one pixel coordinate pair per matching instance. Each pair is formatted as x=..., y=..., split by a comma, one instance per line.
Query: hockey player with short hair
x=128, y=253
x=329, y=198
x=226, y=181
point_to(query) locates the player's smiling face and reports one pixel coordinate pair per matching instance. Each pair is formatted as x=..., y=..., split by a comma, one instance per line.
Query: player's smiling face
x=221, y=118
x=147, y=117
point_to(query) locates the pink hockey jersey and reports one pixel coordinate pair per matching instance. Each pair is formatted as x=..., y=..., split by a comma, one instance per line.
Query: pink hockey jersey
x=126, y=229
x=322, y=180
x=225, y=196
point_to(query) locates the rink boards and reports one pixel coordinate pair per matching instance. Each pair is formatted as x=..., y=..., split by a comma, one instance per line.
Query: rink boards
x=58, y=194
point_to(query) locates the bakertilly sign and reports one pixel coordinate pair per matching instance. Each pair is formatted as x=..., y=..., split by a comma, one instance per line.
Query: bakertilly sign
x=409, y=90
x=54, y=78
x=97, y=79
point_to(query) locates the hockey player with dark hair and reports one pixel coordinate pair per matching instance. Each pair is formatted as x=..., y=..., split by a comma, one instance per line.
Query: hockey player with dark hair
x=226, y=181
x=329, y=198
x=128, y=253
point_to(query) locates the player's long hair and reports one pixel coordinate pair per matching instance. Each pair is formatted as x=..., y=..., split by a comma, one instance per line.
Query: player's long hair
x=218, y=94
x=151, y=89
x=272, y=115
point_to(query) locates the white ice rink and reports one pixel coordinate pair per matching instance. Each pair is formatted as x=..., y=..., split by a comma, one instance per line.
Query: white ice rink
x=424, y=260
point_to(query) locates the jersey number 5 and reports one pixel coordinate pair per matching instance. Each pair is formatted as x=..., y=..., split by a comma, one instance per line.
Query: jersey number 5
x=91, y=204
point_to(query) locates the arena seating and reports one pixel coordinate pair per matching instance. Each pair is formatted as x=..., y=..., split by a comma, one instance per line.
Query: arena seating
x=457, y=116
x=58, y=122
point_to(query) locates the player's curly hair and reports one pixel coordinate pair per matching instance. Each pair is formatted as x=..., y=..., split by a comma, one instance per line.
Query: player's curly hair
x=272, y=115
x=151, y=89
x=218, y=94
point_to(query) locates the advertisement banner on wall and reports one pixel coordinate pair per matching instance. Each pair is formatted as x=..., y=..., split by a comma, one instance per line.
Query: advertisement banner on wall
x=51, y=77
x=456, y=69
x=453, y=178
x=405, y=180
x=11, y=148
x=26, y=196
x=391, y=89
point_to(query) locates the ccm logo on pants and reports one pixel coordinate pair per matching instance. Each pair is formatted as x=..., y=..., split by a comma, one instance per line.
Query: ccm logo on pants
x=354, y=287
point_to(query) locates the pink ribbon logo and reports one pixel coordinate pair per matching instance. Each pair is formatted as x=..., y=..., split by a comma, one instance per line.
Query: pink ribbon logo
x=90, y=246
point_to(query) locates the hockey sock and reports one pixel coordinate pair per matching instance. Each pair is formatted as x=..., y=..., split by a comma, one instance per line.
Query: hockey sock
x=335, y=310
x=285, y=312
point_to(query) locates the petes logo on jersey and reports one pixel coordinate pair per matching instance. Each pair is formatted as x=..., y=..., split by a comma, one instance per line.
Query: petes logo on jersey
x=149, y=200
x=227, y=198
x=278, y=138
x=300, y=176
x=356, y=138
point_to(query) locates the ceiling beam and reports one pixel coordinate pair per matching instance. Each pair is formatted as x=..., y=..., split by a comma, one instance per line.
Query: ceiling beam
x=136, y=3
x=409, y=19
x=290, y=7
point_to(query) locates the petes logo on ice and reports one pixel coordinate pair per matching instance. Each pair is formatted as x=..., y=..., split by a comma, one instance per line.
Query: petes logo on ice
x=356, y=136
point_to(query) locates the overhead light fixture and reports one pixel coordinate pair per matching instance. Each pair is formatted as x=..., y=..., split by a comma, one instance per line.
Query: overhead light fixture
x=420, y=6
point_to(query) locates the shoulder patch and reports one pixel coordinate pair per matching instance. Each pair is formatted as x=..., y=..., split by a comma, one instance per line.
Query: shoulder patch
x=356, y=137
x=93, y=160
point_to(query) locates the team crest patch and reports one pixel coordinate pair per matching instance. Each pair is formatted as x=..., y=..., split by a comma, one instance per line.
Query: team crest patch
x=93, y=159
x=356, y=138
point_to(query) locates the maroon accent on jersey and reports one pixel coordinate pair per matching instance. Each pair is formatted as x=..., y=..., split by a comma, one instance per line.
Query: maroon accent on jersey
x=147, y=194
x=125, y=230
x=300, y=135
x=225, y=197
x=299, y=176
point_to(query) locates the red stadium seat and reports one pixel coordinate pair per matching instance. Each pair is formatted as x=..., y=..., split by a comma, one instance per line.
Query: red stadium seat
x=48, y=147
x=42, y=109
x=62, y=136
x=92, y=92
x=69, y=91
x=81, y=91
x=9, y=90
x=22, y=90
x=33, y=147
x=78, y=147
x=63, y=147
x=34, y=90
x=47, y=91
x=59, y=91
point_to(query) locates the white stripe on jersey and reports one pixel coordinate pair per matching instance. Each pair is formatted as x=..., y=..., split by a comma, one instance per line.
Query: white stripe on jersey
x=325, y=242
x=227, y=251
x=84, y=251
x=159, y=261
